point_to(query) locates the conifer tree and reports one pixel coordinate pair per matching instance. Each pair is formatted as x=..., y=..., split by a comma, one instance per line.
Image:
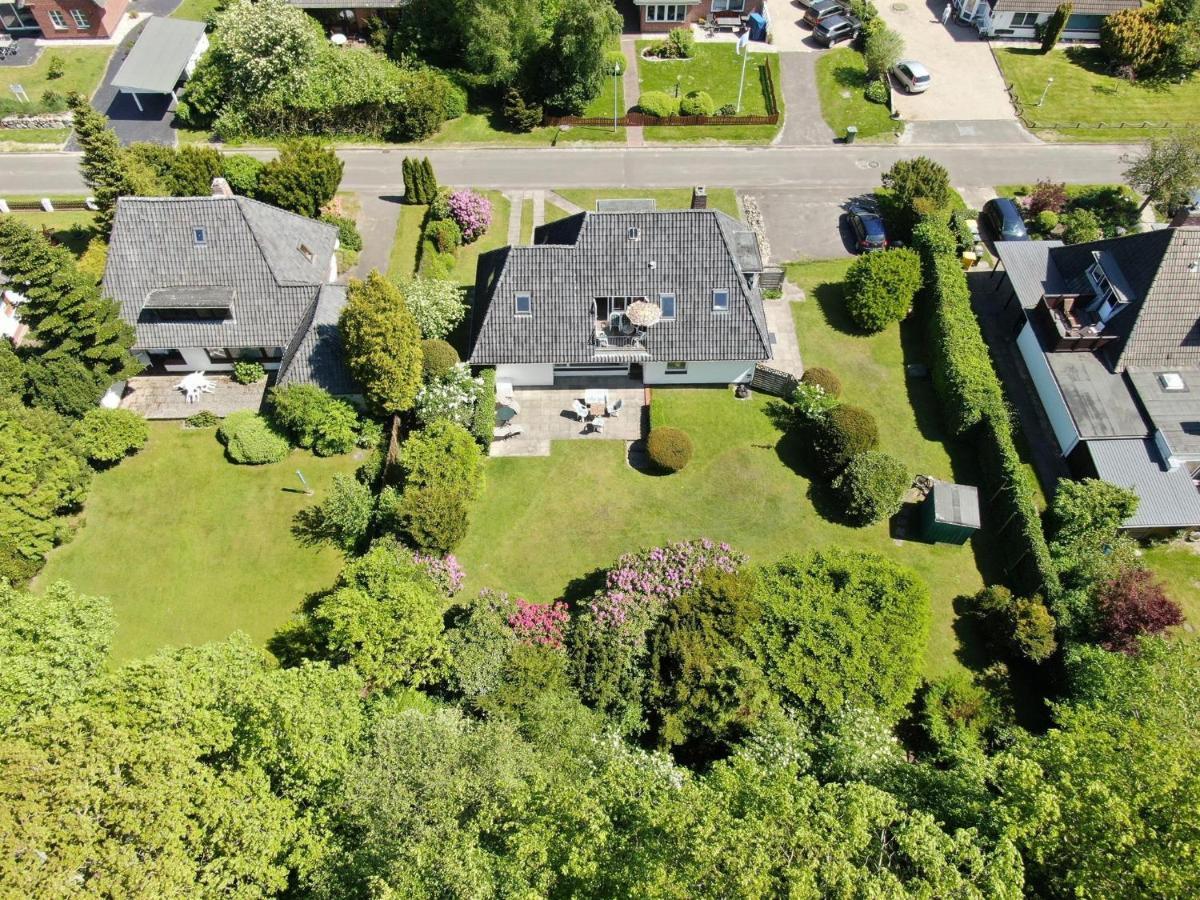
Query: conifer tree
x=103, y=166
x=410, y=181
x=431, y=185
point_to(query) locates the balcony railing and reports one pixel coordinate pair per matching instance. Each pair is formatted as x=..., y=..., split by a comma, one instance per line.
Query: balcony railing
x=606, y=341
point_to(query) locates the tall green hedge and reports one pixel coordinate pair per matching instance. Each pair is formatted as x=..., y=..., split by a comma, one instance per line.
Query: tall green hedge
x=485, y=410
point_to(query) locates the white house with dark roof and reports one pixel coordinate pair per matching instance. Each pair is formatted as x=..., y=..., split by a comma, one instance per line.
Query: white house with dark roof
x=561, y=307
x=207, y=281
x=1025, y=18
x=1111, y=341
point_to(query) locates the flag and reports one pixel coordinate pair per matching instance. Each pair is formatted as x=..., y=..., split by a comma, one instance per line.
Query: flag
x=742, y=41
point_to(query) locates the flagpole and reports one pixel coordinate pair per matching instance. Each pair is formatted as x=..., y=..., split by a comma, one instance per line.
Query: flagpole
x=744, y=50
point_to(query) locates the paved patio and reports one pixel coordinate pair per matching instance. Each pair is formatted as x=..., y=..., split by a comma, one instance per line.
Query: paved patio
x=546, y=416
x=157, y=397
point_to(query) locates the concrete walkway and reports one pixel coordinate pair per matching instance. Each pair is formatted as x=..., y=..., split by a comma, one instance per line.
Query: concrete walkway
x=563, y=203
x=516, y=200
x=785, y=348
x=803, y=124
x=539, y=209
x=632, y=88
x=377, y=225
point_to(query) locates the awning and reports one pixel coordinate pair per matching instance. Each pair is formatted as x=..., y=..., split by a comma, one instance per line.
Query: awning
x=160, y=56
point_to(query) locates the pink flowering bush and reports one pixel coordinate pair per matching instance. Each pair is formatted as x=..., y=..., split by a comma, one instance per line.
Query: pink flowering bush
x=543, y=624
x=472, y=212
x=446, y=572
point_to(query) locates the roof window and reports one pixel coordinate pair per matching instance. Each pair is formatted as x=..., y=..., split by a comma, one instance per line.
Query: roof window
x=634, y=233
x=720, y=301
x=305, y=252
x=1171, y=381
x=200, y=236
x=524, y=304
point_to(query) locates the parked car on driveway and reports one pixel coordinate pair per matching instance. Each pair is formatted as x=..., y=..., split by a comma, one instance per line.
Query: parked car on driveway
x=820, y=10
x=914, y=76
x=836, y=29
x=869, y=233
x=1004, y=218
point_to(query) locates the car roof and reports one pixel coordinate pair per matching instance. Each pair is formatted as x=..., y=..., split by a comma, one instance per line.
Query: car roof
x=1006, y=206
x=833, y=22
x=821, y=5
x=913, y=66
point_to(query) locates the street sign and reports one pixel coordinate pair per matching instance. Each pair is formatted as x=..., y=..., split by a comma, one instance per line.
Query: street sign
x=19, y=92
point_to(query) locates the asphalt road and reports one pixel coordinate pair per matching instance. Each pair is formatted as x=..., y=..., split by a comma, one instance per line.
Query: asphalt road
x=848, y=169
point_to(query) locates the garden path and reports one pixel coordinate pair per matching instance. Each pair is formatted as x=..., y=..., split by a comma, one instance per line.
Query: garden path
x=630, y=83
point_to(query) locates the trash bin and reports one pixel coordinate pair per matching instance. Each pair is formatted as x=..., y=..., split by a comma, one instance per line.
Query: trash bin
x=851, y=133
x=758, y=26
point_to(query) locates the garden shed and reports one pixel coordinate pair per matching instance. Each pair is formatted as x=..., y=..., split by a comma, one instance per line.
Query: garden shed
x=165, y=53
x=950, y=513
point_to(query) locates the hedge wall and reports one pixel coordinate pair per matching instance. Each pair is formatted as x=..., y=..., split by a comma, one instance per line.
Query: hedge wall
x=974, y=405
x=485, y=410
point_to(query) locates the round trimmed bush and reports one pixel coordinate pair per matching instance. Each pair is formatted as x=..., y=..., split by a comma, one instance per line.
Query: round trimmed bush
x=880, y=287
x=433, y=519
x=670, y=449
x=842, y=435
x=658, y=103
x=109, y=435
x=872, y=487
x=1047, y=221
x=877, y=91
x=202, y=419
x=697, y=103
x=438, y=358
x=250, y=440
x=348, y=234
x=824, y=379
x=445, y=234
x=248, y=372
x=727, y=110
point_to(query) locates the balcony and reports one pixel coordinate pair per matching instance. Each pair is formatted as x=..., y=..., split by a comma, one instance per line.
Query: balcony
x=607, y=339
x=1074, y=328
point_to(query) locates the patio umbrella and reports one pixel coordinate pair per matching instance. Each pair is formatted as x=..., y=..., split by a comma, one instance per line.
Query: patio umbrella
x=643, y=313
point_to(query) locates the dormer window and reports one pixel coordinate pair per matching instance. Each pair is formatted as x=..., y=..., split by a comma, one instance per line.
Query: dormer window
x=200, y=236
x=305, y=252
x=666, y=302
x=720, y=300
x=524, y=304
x=634, y=233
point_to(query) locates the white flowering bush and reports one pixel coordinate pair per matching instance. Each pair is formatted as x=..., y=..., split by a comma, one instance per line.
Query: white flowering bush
x=451, y=397
x=266, y=42
x=811, y=402
x=436, y=304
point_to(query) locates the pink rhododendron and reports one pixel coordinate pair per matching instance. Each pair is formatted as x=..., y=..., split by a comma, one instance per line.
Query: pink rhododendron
x=446, y=572
x=472, y=212
x=539, y=623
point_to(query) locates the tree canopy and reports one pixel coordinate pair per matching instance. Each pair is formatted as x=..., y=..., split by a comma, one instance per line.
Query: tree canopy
x=383, y=343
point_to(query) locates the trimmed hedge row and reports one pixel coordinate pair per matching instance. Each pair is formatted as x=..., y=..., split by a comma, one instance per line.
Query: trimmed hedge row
x=485, y=410
x=973, y=400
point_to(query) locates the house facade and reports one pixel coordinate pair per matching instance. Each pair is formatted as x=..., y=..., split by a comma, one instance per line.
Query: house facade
x=1017, y=19
x=565, y=306
x=1110, y=337
x=56, y=20
x=209, y=281
x=654, y=17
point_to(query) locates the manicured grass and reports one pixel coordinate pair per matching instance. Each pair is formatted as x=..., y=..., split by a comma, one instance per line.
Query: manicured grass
x=841, y=80
x=555, y=212
x=24, y=136
x=724, y=199
x=1178, y=565
x=602, y=103
x=83, y=67
x=71, y=228
x=717, y=70
x=190, y=547
x=1083, y=92
x=485, y=127
x=199, y=10
x=402, y=262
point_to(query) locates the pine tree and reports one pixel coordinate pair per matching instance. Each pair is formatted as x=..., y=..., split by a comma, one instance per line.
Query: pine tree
x=431, y=185
x=410, y=181
x=103, y=167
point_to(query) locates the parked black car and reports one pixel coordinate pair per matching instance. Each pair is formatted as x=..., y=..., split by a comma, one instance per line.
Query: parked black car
x=867, y=226
x=836, y=29
x=1003, y=216
x=820, y=10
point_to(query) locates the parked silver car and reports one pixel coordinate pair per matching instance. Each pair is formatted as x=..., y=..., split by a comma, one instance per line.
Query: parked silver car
x=914, y=76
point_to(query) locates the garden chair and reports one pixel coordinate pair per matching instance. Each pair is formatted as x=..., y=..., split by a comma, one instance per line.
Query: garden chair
x=615, y=407
x=580, y=410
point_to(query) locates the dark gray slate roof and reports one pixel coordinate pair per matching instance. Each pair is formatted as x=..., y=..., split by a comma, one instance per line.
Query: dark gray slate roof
x=1166, y=497
x=589, y=255
x=1029, y=269
x=251, y=249
x=316, y=355
x=1099, y=400
x=1081, y=7
x=161, y=53
x=1175, y=413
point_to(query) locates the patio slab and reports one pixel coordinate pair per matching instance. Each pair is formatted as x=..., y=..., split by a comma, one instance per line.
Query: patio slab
x=157, y=397
x=546, y=415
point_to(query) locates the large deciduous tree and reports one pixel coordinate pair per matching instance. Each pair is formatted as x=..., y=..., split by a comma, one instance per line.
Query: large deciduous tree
x=1167, y=171
x=382, y=342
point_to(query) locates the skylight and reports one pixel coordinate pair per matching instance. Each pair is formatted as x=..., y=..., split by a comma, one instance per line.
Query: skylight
x=524, y=304
x=200, y=236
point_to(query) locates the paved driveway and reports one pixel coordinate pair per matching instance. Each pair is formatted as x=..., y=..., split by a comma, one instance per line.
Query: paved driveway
x=966, y=82
x=805, y=223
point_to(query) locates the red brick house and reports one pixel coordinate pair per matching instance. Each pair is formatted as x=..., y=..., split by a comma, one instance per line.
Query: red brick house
x=655, y=16
x=63, y=19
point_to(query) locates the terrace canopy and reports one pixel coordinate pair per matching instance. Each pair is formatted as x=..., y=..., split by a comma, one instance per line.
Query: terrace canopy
x=166, y=51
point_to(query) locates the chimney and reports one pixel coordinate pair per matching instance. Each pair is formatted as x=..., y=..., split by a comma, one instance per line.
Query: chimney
x=221, y=188
x=699, y=197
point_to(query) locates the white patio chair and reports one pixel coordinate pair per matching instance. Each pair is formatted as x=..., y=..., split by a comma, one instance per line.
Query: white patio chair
x=615, y=407
x=601, y=339
x=598, y=426
x=580, y=410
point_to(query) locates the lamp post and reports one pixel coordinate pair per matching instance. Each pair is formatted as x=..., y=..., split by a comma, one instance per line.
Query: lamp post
x=678, y=78
x=743, y=50
x=1046, y=90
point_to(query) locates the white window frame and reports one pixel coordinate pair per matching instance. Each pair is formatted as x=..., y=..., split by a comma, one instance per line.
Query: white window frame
x=728, y=6
x=81, y=19
x=666, y=12
x=1024, y=20
x=528, y=298
x=675, y=367
x=662, y=299
x=720, y=305
x=200, y=236
x=57, y=20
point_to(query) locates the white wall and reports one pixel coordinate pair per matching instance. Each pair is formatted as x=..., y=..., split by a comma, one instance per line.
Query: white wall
x=526, y=374
x=196, y=360
x=700, y=373
x=1047, y=389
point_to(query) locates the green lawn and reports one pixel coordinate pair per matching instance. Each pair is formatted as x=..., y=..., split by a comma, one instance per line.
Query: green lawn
x=1179, y=566
x=71, y=228
x=83, y=69
x=724, y=199
x=526, y=222
x=485, y=128
x=1083, y=92
x=26, y=136
x=716, y=69
x=542, y=522
x=841, y=80
x=402, y=262
x=190, y=547
x=496, y=236
x=555, y=212
x=199, y=10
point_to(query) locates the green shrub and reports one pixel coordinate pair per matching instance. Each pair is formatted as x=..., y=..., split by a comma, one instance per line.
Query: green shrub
x=109, y=435
x=439, y=206
x=241, y=171
x=18, y=568
x=682, y=43
x=485, y=410
x=840, y=436
x=249, y=439
x=1020, y=626
x=445, y=234
x=1046, y=221
x=248, y=372
x=348, y=235
x=956, y=714
x=520, y=115
x=697, y=103
x=880, y=288
x=614, y=60
x=94, y=258
x=202, y=419
x=872, y=487
x=433, y=519
x=670, y=449
x=316, y=420
x=343, y=518
x=437, y=358
x=444, y=455
x=877, y=91
x=658, y=103
x=57, y=67
x=824, y=379
x=1080, y=226
x=727, y=110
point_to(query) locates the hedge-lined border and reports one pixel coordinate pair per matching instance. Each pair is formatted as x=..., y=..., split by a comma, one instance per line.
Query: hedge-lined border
x=485, y=410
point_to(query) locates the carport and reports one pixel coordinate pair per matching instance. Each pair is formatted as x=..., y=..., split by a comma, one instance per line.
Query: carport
x=166, y=52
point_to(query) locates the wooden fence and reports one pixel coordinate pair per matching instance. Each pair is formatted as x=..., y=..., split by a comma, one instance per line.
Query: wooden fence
x=771, y=278
x=772, y=381
x=634, y=118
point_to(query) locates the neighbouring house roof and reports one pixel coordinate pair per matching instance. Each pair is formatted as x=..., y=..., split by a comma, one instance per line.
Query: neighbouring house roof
x=1099, y=400
x=1167, y=498
x=1174, y=413
x=575, y=260
x=271, y=263
x=316, y=355
x=158, y=58
x=1080, y=8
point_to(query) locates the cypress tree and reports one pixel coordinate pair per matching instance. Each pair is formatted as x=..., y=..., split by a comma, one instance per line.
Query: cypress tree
x=431, y=185
x=103, y=167
x=410, y=182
